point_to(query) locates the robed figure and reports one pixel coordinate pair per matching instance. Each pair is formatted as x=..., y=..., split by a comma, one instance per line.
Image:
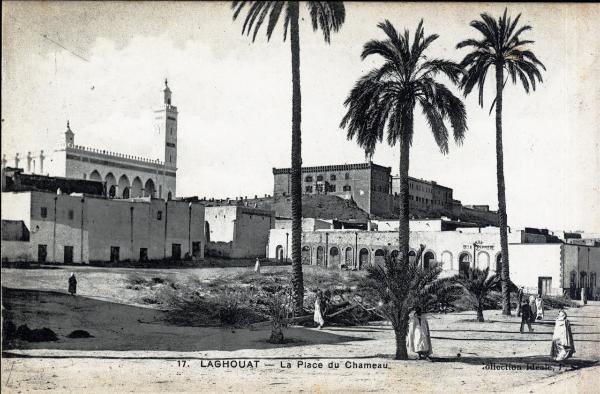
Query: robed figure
x=72, y=284
x=539, y=305
x=563, y=346
x=319, y=310
x=419, y=340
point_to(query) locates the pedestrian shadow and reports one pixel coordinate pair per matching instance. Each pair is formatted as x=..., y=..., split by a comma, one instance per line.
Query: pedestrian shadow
x=519, y=362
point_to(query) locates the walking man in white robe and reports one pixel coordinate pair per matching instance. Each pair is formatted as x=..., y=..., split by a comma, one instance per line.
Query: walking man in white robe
x=562, y=338
x=419, y=340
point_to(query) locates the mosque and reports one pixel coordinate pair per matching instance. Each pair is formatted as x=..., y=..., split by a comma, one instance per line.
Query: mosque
x=125, y=176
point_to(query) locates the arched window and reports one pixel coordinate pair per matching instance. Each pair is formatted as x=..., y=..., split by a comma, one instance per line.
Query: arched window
x=95, y=176
x=319, y=178
x=306, y=255
x=483, y=260
x=363, y=258
x=464, y=263
x=347, y=175
x=349, y=257
x=319, y=255
x=308, y=179
x=334, y=257
x=428, y=259
x=347, y=188
x=332, y=177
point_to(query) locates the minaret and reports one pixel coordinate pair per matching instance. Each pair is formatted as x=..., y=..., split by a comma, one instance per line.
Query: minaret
x=168, y=125
x=69, y=136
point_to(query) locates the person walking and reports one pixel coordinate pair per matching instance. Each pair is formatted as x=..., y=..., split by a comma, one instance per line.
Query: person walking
x=318, y=316
x=257, y=266
x=72, y=284
x=563, y=346
x=539, y=306
x=532, y=308
x=525, y=316
x=419, y=340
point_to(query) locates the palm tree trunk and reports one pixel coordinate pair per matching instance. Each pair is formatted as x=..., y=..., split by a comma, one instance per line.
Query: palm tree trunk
x=401, y=352
x=296, y=170
x=479, y=311
x=502, y=193
x=403, y=225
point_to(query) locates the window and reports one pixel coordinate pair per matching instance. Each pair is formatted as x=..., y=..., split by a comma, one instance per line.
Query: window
x=159, y=215
x=347, y=188
x=308, y=179
x=43, y=212
x=319, y=178
x=308, y=189
x=332, y=177
x=347, y=176
x=71, y=214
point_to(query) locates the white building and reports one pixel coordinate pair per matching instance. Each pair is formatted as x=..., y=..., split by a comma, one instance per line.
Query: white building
x=47, y=227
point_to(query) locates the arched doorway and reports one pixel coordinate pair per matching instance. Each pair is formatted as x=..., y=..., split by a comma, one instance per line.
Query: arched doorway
x=447, y=260
x=306, y=255
x=428, y=259
x=279, y=253
x=149, y=188
x=169, y=196
x=319, y=255
x=464, y=263
x=334, y=257
x=136, y=187
x=95, y=176
x=111, y=185
x=379, y=257
x=483, y=260
x=363, y=258
x=123, y=184
x=349, y=258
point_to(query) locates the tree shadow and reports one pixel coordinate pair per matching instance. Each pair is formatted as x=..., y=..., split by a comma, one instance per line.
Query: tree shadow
x=122, y=327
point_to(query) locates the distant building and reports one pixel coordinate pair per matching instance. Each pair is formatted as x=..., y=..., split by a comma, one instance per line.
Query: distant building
x=368, y=184
x=425, y=194
x=60, y=228
x=236, y=231
x=124, y=175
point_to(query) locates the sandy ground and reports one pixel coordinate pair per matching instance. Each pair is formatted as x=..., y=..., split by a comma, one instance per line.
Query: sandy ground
x=133, y=350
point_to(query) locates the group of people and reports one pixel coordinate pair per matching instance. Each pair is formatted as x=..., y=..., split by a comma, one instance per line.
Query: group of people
x=419, y=339
x=529, y=310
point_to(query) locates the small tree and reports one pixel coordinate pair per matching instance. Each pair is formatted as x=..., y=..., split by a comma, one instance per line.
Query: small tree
x=279, y=308
x=403, y=286
x=478, y=284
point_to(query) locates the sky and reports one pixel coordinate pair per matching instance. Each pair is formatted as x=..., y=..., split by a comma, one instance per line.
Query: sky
x=102, y=66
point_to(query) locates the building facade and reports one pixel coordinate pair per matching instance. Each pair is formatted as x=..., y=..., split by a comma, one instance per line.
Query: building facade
x=124, y=175
x=82, y=229
x=549, y=268
x=236, y=231
x=368, y=184
x=425, y=194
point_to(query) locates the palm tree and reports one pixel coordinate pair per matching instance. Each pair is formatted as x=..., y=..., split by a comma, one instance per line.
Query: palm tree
x=402, y=287
x=478, y=284
x=502, y=48
x=327, y=16
x=387, y=96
